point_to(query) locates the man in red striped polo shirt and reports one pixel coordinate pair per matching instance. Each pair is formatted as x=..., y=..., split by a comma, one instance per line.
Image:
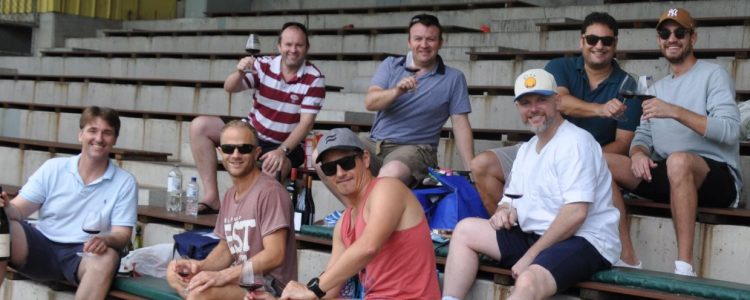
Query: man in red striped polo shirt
x=289, y=92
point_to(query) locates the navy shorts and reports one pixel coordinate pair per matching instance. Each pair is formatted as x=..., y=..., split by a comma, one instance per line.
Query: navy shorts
x=48, y=260
x=717, y=190
x=569, y=261
x=296, y=156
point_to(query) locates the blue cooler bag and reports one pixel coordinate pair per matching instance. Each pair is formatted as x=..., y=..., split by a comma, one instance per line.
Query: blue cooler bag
x=445, y=205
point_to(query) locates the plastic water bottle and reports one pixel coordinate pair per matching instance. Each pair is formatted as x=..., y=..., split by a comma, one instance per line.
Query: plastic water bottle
x=174, y=189
x=191, y=197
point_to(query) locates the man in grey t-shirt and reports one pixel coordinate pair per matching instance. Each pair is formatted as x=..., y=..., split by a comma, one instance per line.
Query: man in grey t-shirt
x=253, y=226
x=685, y=151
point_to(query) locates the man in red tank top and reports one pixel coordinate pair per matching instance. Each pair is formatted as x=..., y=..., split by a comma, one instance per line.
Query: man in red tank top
x=383, y=234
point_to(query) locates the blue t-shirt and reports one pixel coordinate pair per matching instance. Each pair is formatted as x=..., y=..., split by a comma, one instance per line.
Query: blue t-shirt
x=569, y=72
x=65, y=200
x=417, y=117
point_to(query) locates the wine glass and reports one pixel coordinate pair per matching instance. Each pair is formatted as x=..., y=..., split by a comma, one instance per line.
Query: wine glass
x=92, y=224
x=250, y=279
x=410, y=67
x=516, y=187
x=252, y=45
x=628, y=89
x=182, y=267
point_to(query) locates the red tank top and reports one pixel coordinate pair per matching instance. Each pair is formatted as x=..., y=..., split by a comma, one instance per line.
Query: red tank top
x=404, y=268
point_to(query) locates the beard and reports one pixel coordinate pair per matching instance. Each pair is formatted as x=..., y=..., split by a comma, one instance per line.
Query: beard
x=687, y=51
x=548, y=121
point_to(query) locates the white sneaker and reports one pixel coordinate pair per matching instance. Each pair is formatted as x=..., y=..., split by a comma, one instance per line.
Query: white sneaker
x=683, y=268
x=622, y=264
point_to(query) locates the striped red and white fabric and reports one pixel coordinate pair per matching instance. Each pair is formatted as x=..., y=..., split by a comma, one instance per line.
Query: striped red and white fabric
x=277, y=104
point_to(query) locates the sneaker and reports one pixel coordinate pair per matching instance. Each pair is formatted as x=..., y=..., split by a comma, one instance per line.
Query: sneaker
x=622, y=264
x=683, y=268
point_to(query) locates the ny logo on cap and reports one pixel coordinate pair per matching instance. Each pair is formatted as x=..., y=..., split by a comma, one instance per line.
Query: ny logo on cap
x=672, y=12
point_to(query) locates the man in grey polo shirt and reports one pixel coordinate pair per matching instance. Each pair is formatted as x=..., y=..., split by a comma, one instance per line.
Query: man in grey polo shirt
x=413, y=100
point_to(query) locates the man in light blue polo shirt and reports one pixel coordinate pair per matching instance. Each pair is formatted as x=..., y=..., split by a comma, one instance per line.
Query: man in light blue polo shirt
x=413, y=99
x=64, y=190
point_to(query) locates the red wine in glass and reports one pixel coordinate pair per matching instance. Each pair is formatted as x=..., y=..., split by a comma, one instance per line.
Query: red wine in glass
x=92, y=232
x=631, y=95
x=251, y=286
x=252, y=45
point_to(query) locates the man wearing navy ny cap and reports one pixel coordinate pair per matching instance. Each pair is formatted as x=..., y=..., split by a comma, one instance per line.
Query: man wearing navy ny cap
x=383, y=234
x=566, y=225
x=686, y=152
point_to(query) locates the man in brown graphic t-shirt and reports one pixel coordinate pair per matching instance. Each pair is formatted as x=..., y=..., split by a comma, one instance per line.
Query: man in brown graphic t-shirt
x=254, y=225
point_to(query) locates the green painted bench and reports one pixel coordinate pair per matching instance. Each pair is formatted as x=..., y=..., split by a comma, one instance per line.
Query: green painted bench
x=617, y=281
x=146, y=287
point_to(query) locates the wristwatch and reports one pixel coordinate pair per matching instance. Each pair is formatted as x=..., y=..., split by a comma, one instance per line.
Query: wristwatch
x=284, y=149
x=313, y=286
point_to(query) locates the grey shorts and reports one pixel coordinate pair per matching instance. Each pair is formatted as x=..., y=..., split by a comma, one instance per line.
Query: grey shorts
x=506, y=155
x=417, y=157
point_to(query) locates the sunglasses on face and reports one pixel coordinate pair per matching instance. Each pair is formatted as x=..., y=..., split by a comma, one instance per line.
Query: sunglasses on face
x=243, y=148
x=347, y=163
x=679, y=33
x=592, y=40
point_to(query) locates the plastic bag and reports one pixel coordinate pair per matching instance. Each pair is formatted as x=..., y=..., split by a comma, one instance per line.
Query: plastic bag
x=151, y=261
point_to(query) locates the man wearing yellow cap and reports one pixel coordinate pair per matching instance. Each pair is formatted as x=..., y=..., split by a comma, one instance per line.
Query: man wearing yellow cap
x=685, y=151
x=566, y=227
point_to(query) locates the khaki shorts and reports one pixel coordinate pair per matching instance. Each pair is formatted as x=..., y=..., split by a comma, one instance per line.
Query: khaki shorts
x=417, y=157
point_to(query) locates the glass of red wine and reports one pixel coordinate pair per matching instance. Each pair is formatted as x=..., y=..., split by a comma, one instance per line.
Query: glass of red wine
x=250, y=279
x=182, y=267
x=252, y=46
x=515, y=188
x=92, y=224
x=410, y=67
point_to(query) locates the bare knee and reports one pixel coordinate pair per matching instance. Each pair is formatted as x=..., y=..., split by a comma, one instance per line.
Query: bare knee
x=483, y=162
x=205, y=126
x=396, y=169
x=679, y=164
x=537, y=282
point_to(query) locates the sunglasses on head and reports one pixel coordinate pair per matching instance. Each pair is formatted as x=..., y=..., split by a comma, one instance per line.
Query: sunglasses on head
x=592, y=40
x=243, y=148
x=347, y=163
x=424, y=19
x=679, y=33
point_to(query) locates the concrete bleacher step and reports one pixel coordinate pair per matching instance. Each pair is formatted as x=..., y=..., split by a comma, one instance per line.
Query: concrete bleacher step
x=630, y=39
x=352, y=76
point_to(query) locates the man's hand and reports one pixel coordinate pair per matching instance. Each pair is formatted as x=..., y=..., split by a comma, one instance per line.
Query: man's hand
x=184, y=266
x=95, y=245
x=246, y=64
x=206, y=279
x=504, y=217
x=657, y=108
x=641, y=166
x=612, y=108
x=406, y=84
x=259, y=295
x=296, y=290
x=272, y=161
x=522, y=264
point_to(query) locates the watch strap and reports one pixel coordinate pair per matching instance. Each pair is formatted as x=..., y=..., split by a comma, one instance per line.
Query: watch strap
x=315, y=288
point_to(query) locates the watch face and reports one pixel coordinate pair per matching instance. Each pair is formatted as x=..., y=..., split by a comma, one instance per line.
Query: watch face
x=313, y=282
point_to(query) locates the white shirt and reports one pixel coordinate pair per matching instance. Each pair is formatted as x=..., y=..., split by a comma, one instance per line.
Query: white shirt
x=569, y=169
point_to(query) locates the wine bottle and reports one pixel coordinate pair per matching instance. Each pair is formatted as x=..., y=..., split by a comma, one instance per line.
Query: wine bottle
x=291, y=187
x=309, y=215
x=299, y=208
x=4, y=234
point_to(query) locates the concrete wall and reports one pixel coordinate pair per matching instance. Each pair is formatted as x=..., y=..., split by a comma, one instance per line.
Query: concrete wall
x=55, y=28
